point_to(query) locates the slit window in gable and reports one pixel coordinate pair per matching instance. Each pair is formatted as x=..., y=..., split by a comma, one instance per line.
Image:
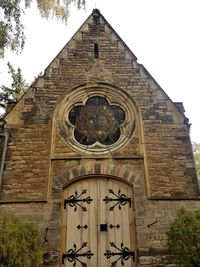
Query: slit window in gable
x=96, y=50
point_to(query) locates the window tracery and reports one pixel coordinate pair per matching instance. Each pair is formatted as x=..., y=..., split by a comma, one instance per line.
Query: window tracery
x=96, y=119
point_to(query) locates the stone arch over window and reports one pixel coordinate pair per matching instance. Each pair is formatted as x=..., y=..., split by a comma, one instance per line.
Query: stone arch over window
x=96, y=119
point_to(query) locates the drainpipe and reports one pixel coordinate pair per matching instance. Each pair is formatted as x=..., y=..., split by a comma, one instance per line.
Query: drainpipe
x=5, y=135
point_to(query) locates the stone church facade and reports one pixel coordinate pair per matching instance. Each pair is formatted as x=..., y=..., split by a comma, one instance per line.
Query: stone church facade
x=98, y=155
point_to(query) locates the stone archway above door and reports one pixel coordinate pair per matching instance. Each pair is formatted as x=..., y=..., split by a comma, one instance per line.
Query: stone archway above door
x=123, y=172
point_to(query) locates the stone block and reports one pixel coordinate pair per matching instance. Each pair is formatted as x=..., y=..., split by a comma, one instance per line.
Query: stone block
x=147, y=260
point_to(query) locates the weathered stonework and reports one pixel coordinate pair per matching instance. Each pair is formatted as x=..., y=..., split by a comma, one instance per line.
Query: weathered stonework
x=157, y=159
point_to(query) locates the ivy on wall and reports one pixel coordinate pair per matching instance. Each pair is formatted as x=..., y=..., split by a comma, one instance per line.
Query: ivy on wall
x=20, y=243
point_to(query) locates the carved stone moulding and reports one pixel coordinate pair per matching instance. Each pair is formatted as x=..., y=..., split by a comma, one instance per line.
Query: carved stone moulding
x=96, y=119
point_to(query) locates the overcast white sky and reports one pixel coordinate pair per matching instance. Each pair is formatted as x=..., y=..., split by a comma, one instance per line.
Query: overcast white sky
x=163, y=34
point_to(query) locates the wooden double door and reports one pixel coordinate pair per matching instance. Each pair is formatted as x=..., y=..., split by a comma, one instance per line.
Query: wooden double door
x=98, y=224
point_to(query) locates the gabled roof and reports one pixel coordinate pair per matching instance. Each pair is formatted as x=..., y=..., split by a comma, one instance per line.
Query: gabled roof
x=96, y=16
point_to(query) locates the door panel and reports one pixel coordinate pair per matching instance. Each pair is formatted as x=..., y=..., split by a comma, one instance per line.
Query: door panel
x=102, y=220
x=98, y=224
x=93, y=221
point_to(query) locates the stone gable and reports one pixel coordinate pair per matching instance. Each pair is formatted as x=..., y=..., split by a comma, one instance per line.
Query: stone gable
x=161, y=138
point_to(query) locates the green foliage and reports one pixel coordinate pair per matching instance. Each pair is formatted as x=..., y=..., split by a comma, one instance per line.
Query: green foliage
x=184, y=238
x=17, y=89
x=196, y=150
x=11, y=27
x=20, y=244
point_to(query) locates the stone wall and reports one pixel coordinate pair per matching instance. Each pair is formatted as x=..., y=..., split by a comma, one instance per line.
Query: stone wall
x=152, y=217
x=162, y=137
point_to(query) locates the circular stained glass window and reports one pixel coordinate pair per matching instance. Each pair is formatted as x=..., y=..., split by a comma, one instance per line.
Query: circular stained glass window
x=97, y=121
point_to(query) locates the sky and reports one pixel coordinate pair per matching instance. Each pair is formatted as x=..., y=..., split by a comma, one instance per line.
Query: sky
x=163, y=34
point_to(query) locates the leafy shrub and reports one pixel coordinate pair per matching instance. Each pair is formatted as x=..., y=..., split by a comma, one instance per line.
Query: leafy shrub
x=20, y=244
x=184, y=238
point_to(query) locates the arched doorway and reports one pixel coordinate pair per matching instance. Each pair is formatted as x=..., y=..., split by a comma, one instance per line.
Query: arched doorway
x=98, y=228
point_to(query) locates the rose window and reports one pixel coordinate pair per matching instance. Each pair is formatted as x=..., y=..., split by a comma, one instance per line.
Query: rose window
x=97, y=121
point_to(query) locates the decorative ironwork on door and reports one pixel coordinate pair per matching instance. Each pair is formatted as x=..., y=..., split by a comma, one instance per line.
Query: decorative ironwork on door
x=74, y=200
x=82, y=226
x=94, y=236
x=121, y=199
x=124, y=254
x=72, y=255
